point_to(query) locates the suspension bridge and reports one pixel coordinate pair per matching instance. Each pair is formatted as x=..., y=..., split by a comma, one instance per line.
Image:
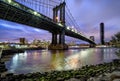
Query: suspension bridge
x=48, y=15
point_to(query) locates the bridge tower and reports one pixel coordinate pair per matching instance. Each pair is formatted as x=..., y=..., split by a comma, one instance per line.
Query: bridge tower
x=59, y=17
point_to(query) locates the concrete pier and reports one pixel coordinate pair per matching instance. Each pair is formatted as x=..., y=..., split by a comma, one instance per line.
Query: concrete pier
x=58, y=47
x=58, y=44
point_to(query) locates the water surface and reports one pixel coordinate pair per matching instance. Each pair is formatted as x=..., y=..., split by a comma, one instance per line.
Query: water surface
x=47, y=60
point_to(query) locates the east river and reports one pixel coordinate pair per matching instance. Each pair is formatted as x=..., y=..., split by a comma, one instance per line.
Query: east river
x=47, y=60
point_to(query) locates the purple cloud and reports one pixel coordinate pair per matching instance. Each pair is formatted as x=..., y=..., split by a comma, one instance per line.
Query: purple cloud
x=90, y=13
x=13, y=31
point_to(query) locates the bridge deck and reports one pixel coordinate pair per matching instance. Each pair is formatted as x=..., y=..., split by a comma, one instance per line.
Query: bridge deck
x=16, y=12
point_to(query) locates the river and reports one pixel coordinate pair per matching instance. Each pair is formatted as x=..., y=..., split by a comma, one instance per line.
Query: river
x=47, y=60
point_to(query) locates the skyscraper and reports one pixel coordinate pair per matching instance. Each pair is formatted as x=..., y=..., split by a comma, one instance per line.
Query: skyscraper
x=102, y=33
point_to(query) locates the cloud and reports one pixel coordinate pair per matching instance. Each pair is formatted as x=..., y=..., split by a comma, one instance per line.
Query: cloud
x=13, y=31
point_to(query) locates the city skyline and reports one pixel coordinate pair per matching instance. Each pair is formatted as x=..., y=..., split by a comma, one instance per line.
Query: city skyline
x=88, y=14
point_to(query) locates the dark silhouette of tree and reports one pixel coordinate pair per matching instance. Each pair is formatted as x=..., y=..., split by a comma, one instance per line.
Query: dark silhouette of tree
x=117, y=36
x=116, y=39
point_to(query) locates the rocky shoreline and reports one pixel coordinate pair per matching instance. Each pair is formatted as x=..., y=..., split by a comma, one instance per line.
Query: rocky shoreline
x=2, y=67
x=86, y=73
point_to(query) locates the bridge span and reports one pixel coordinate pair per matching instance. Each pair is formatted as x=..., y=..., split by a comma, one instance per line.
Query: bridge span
x=16, y=12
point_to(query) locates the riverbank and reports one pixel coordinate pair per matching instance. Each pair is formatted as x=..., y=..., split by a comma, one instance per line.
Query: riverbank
x=2, y=67
x=21, y=50
x=86, y=73
x=11, y=51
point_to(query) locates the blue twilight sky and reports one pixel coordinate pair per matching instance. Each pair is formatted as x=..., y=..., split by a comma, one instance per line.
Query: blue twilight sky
x=87, y=13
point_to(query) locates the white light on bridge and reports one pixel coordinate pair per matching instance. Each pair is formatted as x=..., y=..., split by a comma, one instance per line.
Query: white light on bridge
x=73, y=30
x=68, y=27
x=60, y=24
x=35, y=13
x=9, y=1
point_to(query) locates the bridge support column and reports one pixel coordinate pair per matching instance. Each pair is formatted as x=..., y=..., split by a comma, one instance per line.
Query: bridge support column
x=54, y=38
x=52, y=42
x=58, y=45
x=62, y=44
x=62, y=38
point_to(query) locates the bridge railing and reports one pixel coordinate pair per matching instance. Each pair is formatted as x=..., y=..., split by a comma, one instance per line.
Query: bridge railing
x=26, y=9
x=75, y=31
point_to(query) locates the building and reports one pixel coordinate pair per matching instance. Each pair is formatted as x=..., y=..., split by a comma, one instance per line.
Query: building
x=22, y=41
x=102, y=33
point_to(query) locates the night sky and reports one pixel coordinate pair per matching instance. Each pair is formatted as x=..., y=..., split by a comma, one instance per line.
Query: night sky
x=87, y=13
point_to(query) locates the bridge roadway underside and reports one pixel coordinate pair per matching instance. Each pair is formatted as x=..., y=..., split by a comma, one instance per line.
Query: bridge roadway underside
x=14, y=14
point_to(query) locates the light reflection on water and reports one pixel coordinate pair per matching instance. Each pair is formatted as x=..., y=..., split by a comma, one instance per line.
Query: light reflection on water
x=47, y=60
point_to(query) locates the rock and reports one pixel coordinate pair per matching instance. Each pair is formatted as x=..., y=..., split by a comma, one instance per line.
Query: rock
x=60, y=79
x=9, y=74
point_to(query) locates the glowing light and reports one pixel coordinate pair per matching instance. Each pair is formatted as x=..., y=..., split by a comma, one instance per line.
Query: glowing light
x=56, y=18
x=73, y=30
x=60, y=24
x=68, y=27
x=9, y=1
x=35, y=13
